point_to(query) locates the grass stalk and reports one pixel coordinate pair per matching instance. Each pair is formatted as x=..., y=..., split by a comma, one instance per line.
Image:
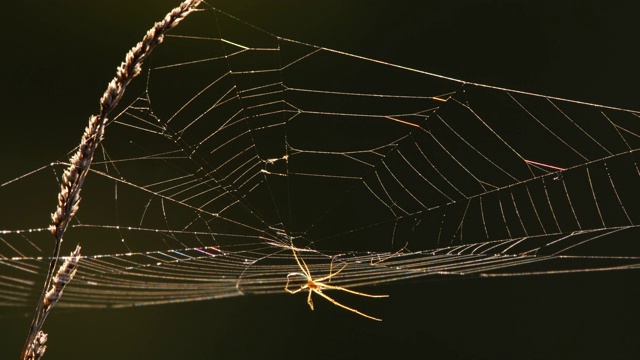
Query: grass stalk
x=74, y=176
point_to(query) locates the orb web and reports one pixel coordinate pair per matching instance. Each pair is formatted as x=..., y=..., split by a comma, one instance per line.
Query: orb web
x=238, y=146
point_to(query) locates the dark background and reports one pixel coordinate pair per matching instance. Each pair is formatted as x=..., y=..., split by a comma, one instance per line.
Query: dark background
x=59, y=55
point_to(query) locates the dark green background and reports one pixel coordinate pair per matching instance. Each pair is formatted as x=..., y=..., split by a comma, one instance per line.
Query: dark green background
x=59, y=55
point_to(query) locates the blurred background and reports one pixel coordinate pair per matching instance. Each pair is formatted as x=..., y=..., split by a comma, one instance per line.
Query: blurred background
x=59, y=56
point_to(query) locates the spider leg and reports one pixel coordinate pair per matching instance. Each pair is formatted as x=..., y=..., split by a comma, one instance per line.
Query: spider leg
x=303, y=266
x=389, y=256
x=333, y=287
x=328, y=277
x=286, y=287
x=309, y=300
x=342, y=306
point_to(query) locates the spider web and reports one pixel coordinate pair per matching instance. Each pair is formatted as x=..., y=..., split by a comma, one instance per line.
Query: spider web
x=204, y=184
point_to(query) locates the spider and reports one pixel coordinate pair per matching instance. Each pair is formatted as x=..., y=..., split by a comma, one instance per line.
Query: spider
x=317, y=285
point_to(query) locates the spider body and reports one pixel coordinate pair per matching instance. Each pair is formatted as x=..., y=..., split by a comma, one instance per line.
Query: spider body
x=318, y=285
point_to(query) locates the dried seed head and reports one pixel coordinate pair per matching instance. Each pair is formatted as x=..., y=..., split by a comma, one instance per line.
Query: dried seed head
x=37, y=347
x=73, y=177
x=63, y=276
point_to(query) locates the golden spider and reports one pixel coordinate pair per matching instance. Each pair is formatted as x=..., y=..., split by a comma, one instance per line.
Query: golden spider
x=317, y=285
